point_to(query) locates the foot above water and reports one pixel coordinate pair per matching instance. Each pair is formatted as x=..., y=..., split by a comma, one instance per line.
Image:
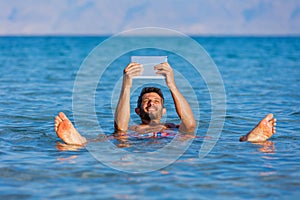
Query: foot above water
x=263, y=130
x=66, y=131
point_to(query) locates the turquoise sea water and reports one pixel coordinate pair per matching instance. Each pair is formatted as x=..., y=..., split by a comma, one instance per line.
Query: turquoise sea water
x=260, y=74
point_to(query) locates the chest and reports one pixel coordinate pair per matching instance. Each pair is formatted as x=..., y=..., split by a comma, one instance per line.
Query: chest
x=148, y=129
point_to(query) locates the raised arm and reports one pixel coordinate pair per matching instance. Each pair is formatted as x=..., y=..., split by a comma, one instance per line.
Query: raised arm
x=183, y=108
x=122, y=113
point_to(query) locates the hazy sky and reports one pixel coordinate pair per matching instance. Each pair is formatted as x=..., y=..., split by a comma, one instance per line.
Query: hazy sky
x=205, y=17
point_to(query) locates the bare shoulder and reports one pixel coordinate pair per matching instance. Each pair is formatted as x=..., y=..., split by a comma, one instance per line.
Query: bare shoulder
x=171, y=125
x=133, y=128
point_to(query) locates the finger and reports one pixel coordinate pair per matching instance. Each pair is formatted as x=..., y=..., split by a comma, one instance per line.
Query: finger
x=136, y=74
x=134, y=71
x=160, y=66
x=131, y=66
x=162, y=72
x=136, y=67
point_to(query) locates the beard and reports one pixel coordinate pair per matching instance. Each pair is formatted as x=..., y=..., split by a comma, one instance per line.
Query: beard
x=149, y=116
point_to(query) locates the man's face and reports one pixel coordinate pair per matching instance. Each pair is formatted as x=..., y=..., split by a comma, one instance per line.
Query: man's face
x=151, y=106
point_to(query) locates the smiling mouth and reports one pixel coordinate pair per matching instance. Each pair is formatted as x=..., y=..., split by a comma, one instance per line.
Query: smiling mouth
x=151, y=109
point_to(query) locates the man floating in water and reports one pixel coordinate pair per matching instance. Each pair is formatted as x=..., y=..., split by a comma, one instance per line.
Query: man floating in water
x=150, y=108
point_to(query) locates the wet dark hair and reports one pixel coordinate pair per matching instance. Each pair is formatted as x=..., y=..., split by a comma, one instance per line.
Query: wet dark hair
x=146, y=90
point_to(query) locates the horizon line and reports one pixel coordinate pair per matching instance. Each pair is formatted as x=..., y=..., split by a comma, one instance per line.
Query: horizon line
x=148, y=35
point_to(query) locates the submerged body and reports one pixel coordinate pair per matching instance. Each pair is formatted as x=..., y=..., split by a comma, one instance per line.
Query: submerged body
x=150, y=108
x=67, y=132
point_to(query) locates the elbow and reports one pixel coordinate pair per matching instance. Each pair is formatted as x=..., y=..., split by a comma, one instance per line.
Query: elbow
x=189, y=126
x=192, y=126
x=119, y=128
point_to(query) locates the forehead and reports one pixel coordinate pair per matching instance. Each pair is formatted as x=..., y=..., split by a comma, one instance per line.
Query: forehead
x=152, y=95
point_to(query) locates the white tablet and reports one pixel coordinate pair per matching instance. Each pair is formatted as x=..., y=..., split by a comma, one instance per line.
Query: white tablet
x=148, y=63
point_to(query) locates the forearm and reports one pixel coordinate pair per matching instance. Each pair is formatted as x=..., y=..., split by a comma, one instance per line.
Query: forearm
x=183, y=110
x=122, y=113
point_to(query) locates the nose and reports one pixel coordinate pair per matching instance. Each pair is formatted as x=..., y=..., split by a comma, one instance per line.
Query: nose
x=150, y=103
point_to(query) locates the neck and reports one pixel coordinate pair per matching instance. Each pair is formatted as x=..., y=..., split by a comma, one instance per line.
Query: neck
x=152, y=122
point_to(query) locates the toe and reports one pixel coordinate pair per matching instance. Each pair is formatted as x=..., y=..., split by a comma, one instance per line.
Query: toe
x=56, y=123
x=62, y=116
x=269, y=117
x=57, y=119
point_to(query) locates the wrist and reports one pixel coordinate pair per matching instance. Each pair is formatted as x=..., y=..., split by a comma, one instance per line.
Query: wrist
x=172, y=87
x=127, y=83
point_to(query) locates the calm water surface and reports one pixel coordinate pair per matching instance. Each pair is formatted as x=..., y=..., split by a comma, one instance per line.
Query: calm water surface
x=260, y=74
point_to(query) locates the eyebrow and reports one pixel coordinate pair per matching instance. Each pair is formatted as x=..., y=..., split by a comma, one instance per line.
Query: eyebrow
x=155, y=98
